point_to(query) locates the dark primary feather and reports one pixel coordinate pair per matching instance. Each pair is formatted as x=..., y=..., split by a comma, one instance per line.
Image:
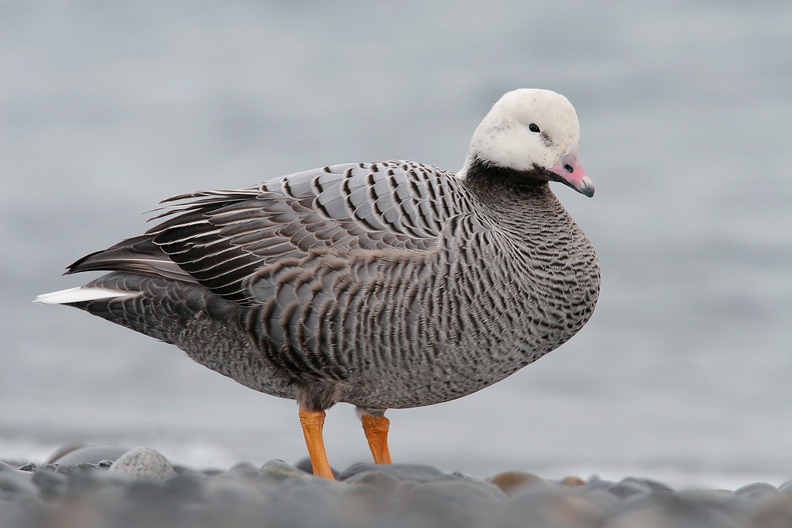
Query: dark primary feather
x=135, y=255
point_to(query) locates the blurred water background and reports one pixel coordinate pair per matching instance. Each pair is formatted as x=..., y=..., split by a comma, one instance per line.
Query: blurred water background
x=683, y=374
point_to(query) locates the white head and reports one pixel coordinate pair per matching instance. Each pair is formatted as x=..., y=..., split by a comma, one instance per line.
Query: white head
x=532, y=130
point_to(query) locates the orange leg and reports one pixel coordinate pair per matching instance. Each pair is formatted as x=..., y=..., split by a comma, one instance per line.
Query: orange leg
x=376, y=429
x=312, y=422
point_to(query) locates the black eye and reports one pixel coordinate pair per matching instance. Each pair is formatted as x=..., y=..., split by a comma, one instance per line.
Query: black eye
x=533, y=128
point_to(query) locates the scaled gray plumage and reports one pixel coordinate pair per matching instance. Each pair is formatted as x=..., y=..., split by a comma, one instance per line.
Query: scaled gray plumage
x=384, y=285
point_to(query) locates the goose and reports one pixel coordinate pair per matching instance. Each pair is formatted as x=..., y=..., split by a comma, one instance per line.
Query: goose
x=384, y=285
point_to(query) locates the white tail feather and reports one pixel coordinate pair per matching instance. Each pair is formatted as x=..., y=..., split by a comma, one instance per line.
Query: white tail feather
x=82, y=294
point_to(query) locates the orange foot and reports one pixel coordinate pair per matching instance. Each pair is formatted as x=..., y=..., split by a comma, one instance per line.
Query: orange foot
x=376, y=429
x=312, y=423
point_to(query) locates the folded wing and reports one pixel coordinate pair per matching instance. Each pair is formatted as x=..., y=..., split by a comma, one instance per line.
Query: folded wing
x=223, y=239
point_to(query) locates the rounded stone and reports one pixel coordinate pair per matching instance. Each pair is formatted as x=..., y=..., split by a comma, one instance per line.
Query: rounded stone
x=243, y=468
x=648, y=484
x=573, y=482
x=377, y=479
x=50, y=483
x=511, y=481
x=664, y=509
x=757, y=491
x=185, y=488
x=63, y=451
x=558, y=506
x=90, y=455
x=452, y=501
x=143, y=463
x=631, y=487
x=276, y=470
x=401, y=472
x=13, y=480
x=705, y=495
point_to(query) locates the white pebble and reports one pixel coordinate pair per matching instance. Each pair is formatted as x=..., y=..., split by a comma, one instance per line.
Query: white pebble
x=143, y=463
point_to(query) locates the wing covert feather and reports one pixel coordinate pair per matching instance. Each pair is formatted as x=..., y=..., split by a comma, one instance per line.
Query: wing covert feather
x=224, y=239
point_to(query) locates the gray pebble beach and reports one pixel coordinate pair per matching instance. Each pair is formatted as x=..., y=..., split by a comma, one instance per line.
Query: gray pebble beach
x=139, y=487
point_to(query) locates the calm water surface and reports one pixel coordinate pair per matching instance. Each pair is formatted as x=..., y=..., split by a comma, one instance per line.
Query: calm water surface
x=685, y=371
